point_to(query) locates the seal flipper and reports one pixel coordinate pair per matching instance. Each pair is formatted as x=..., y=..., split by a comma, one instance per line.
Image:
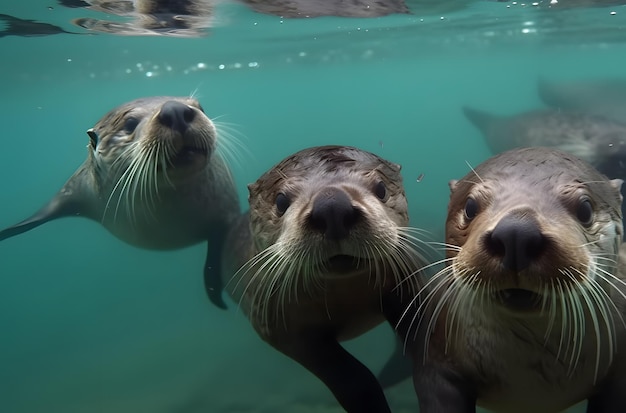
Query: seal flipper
x=213, y=271
x=481, y=119
x=69, y=201
x=397, y=368
x=352, y=383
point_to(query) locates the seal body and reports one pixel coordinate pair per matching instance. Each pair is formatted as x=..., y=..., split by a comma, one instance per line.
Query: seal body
x=154, y=179
x=323, y=248
x=528, y=313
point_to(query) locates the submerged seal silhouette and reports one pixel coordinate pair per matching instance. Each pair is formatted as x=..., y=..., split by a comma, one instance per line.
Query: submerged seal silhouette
x=153, y=178
x=323, y=248
x=531, y=301
x=604, y=96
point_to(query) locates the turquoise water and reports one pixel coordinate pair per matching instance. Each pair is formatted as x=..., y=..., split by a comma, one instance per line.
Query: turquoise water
x=90, y=324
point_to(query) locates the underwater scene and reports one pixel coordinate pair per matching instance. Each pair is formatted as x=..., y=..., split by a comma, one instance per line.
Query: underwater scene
x=93, y=319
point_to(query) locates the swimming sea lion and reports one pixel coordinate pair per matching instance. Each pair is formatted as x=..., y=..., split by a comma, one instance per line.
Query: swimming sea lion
x=154, y=179
x=323, y=248
x=528, y=314
x=604, y=97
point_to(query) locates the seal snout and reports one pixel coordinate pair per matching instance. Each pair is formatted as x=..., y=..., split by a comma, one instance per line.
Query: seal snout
x=333, y=214
x=517, y=240
x=176, y=116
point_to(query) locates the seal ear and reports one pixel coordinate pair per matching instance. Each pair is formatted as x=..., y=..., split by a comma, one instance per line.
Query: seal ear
x=617, y=183
x=452, y=184
x=93, y=138
x=69, y=201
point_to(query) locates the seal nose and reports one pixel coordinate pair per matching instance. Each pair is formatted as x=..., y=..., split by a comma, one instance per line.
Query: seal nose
x=333, y=214
x=518, y=240
x=176, y=116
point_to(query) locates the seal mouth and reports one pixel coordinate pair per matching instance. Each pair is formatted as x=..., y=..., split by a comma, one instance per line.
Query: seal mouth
x=519, y=299
x=344, y=263
x=188, y=155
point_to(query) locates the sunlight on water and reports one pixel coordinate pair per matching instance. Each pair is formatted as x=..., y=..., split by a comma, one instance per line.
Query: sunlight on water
x=90, y=324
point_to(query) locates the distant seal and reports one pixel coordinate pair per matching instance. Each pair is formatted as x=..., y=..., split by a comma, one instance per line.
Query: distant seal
x=527, y=315
x=323, y=248
x=605, y=97
x=154, y=179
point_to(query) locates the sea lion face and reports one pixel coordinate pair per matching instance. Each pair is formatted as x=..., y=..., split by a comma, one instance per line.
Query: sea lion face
x=335, y=209
x=158, y=139
x=527, y=234
x=325, y=220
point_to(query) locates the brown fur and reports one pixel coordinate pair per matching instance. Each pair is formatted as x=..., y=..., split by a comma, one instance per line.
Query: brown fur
x=512, y=356
x=307, y=305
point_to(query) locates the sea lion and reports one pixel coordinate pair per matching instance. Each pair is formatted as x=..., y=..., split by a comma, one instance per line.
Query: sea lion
x=153, y=177
x=528, y=314
x=323, y=248
x=605, y=97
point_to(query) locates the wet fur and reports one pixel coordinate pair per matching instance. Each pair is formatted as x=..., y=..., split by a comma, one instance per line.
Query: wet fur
x=468, y=348
x=145, y=188
x=278, y=268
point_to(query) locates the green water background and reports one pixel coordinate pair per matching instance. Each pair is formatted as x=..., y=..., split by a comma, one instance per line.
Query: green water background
x=89, y=324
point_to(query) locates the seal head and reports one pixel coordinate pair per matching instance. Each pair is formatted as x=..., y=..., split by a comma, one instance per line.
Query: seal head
x=326, y=244
x=154, y=179
x=531, y=299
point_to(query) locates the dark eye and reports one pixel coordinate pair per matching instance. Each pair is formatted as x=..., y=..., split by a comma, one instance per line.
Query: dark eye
x=130, y=125
x=93, y=137
x=471, y=208
x=380, y=190
x=584, y=212
x=282, y=203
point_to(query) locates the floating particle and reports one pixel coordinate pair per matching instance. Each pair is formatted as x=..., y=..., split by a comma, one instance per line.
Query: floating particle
x=419, y=178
